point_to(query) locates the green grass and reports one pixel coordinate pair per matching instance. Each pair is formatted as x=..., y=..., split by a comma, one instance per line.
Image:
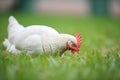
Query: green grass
x=99, y=58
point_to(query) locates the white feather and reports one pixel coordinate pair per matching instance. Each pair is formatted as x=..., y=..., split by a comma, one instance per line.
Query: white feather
x=35, y=39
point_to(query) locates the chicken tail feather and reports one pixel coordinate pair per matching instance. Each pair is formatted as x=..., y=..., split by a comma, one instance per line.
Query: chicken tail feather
x=12, y=20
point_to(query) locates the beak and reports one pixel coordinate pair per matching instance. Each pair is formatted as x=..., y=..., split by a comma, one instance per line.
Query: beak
x=78, y=52
x=75, y=50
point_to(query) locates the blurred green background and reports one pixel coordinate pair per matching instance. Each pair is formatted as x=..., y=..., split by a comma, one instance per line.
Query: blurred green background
x=96, y=20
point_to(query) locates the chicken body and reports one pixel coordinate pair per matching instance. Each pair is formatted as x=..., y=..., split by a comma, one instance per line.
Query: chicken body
x=35, y=39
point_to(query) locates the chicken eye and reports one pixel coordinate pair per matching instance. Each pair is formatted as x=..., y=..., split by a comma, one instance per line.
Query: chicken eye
x=73, y=44
x=70, y=43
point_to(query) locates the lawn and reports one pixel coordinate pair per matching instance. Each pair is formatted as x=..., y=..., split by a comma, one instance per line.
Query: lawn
x=99, y=58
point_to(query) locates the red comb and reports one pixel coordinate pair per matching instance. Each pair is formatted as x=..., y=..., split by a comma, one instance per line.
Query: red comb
x=78, y=37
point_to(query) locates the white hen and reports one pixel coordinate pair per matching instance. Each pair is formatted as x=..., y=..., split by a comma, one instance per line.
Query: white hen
x=38, y=39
